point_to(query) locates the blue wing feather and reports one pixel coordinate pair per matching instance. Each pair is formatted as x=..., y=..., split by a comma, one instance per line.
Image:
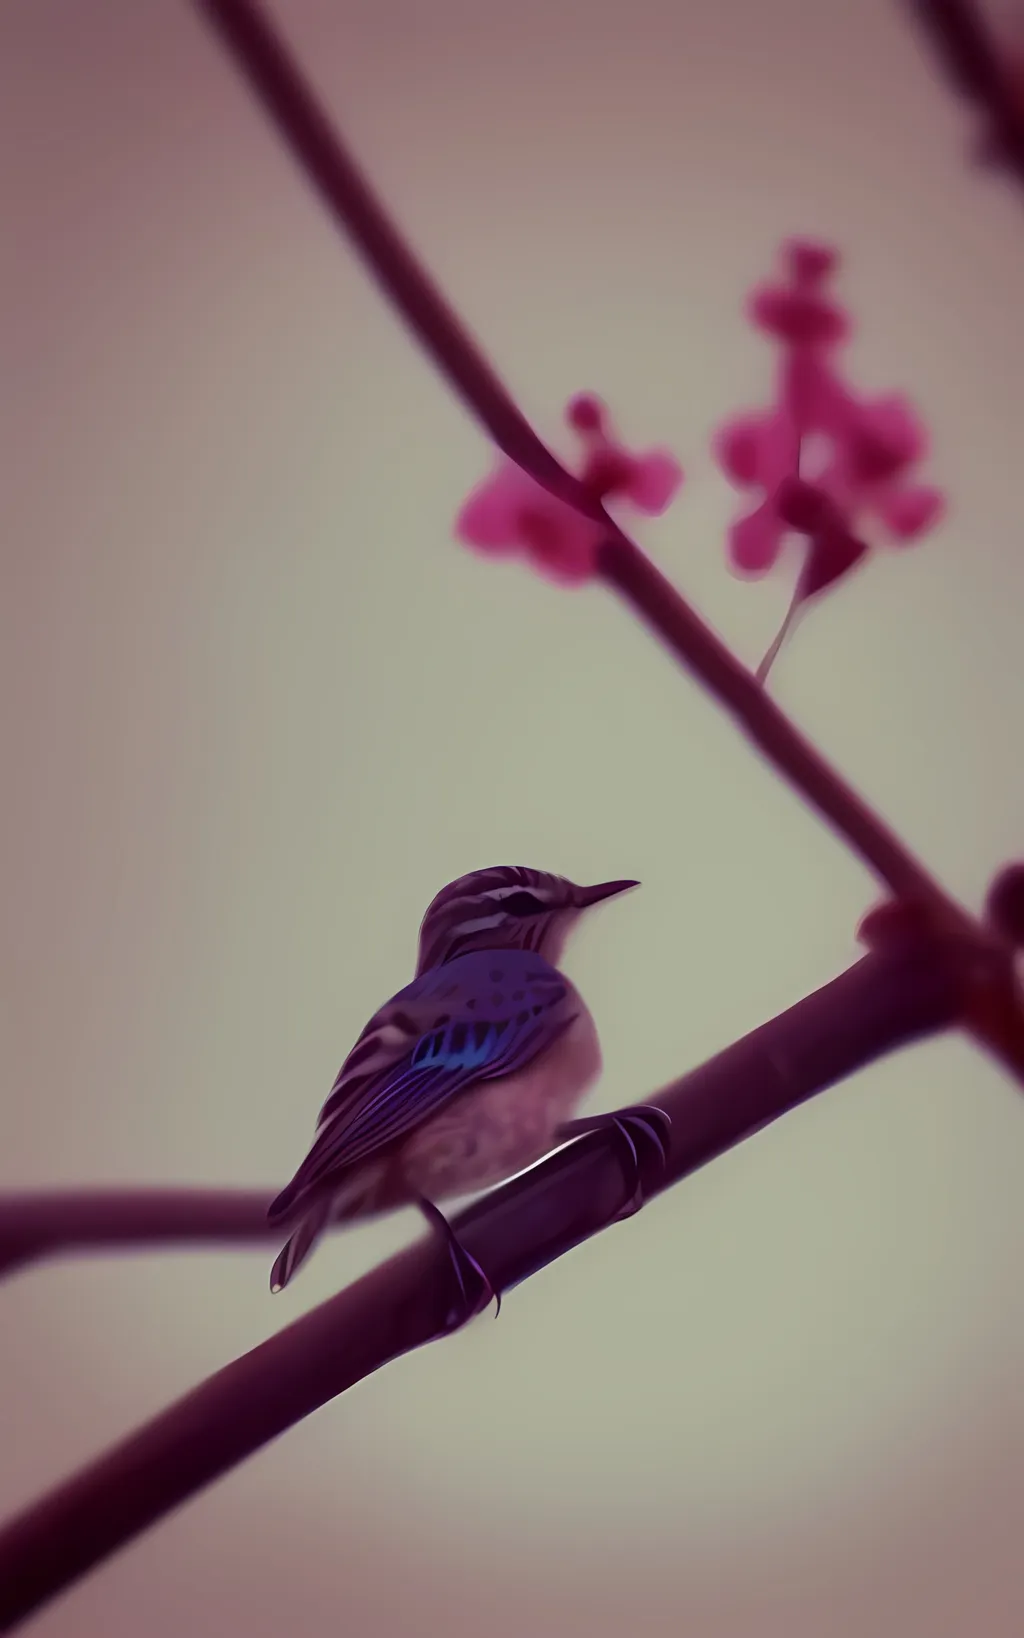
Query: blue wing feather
x=373, y=1105
x=411, y=1096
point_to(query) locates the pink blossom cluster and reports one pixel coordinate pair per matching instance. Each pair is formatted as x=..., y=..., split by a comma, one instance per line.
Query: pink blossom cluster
x=871, y=445
x=511, y=513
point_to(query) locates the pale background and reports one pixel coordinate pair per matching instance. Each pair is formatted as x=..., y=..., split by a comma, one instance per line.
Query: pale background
x=258, y=707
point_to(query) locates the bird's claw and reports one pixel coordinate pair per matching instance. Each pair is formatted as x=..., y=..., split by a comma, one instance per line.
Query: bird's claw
x=641, y=1120
x=475, y=1291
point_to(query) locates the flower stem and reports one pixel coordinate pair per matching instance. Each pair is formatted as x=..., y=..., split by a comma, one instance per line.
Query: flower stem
x=795, y=604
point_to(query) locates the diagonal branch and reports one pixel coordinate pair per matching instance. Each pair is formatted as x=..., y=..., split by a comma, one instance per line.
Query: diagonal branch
x=877, y=1006
x=996, y=1005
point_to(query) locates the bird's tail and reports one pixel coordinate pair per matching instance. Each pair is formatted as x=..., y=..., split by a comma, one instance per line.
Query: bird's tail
x=304, y=1237
x=358, y=1196
x=282, y=1203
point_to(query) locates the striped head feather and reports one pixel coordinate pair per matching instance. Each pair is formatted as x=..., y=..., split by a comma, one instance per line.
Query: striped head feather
x=505, y=908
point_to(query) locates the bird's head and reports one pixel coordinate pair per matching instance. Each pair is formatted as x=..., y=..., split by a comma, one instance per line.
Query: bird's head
x=506, y=908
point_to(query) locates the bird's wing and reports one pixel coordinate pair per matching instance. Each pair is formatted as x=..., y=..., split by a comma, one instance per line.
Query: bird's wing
x=486, y=1014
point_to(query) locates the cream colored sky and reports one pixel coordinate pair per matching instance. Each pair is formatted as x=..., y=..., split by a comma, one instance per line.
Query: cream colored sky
x=257, y=707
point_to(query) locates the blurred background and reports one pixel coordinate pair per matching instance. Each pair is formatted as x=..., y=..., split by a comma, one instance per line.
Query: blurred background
x=257, y=707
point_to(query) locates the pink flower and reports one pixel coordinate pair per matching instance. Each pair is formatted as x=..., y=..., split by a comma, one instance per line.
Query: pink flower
x=509, y=513
x=758, y=452
x=798, y=312
x=871, y=444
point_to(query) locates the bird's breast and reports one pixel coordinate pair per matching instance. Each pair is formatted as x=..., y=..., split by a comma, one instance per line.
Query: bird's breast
x=496, y=1128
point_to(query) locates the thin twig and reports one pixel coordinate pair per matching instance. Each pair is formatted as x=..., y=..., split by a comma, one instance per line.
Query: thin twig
x=877, y=1006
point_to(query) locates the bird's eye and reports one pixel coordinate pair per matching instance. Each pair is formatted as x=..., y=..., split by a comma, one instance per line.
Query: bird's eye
x=522, y=904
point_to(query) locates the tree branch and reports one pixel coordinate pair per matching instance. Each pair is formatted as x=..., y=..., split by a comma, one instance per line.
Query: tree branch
x=974, y=64
x=306, y=129
x=877, y=1006
x=37, y=1226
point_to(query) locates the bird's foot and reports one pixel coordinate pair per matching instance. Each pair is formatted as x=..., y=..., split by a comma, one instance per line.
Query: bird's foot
x=641, y=1121
x=475, y=1291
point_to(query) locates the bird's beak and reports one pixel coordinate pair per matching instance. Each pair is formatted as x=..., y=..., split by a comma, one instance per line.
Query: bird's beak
x=586, y=896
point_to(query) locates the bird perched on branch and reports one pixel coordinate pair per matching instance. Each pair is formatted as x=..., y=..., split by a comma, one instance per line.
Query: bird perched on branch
x=465, y=1076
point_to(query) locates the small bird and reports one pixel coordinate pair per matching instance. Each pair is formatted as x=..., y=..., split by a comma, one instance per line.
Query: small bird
x=465, y=1076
